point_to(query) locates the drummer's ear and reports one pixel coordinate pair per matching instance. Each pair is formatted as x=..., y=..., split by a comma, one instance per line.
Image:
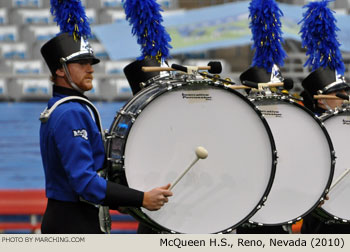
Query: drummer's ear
x=320, y=103
x=60, y=72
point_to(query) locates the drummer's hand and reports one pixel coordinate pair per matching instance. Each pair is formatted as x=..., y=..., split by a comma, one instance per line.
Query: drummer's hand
x=322, y=202
x=156, y=198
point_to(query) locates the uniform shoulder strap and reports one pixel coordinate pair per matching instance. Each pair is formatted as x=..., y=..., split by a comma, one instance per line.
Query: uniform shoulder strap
x=45, y=115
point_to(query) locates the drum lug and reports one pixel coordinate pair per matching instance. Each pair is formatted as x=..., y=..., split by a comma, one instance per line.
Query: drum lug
x=115, y=161
x=123, y=113
x=229, y=230
x=108, y=135
x=130, y=114
x=113, y=135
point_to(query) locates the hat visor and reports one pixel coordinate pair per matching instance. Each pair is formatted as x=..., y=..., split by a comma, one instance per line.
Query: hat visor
x=339, y=87
x=85, y=57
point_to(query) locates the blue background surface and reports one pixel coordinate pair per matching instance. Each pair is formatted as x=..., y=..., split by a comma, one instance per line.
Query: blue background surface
x=20, y=160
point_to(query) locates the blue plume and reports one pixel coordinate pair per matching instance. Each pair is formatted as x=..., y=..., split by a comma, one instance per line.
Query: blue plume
x=145, y=18
x=267, y=35
x=318, y=34
x=70, y=17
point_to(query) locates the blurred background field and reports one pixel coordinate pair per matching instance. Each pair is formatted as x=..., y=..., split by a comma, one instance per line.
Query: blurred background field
x=20, y=160
x=25, y=25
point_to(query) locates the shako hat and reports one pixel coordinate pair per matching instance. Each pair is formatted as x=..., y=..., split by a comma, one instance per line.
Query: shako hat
x=265, y=26
x=324, y=81
x=64, y=48
x=136, y=76
x=146, y=21
x=318, y=34
x=261, y=75
x=71, y=43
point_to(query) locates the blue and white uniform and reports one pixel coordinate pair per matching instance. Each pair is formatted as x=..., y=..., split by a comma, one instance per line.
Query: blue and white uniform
x=72, y=153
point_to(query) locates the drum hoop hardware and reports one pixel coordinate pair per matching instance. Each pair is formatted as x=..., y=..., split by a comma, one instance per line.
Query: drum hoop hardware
x=130, y=114
x=116, y=160
x=113, y=135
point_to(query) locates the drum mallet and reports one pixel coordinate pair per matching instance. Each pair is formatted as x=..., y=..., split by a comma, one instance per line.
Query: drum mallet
x=331, y=97
x=286, y=84
x=346, y=172
x=201, y=153
x=334, y=97
x=158, y=69
x=213, y=67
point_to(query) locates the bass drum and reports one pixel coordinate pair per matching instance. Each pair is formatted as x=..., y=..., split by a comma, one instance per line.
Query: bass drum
x=305, y=162
x=337, y=208
x=153, y=140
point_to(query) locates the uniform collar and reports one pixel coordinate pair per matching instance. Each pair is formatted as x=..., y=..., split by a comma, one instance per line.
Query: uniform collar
x=67, y=91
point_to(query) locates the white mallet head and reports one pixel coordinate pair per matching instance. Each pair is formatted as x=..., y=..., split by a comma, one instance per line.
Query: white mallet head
x=201, y=152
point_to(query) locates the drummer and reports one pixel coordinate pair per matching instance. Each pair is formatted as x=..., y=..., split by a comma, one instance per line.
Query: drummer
x=268, y=56
x=318, y=35
x=260, y=75
x=72, y=147
x=323, y=81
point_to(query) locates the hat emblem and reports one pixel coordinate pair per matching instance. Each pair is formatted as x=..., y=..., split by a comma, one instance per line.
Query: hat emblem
x=85, y=46
x=276, y=75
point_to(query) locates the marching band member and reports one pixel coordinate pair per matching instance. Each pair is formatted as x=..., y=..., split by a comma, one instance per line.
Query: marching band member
x=71, y=141
x=267, y=37
x=326, y=78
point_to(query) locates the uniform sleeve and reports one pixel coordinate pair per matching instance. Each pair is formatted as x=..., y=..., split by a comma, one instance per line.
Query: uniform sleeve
x=119, y=195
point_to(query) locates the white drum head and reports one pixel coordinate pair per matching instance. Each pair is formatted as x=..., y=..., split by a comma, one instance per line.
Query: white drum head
x=303, y=165
x=218, y=192
x=338, y=205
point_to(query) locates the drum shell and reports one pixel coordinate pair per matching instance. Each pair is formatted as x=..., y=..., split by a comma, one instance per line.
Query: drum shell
x=336, y=209
x=293, y=127
x=133, y=111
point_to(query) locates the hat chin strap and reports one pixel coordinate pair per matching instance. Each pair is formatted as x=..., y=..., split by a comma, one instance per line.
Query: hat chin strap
x=66, y=71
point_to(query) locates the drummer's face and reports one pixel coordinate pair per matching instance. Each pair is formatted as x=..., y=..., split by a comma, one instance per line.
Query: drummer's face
x=82, y=74
x=333, y=103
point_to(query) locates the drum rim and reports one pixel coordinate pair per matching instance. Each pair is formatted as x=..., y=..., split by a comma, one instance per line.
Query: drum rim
x=134, y=211
x=288, y=99
x=329, y=114
x=324, y=118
